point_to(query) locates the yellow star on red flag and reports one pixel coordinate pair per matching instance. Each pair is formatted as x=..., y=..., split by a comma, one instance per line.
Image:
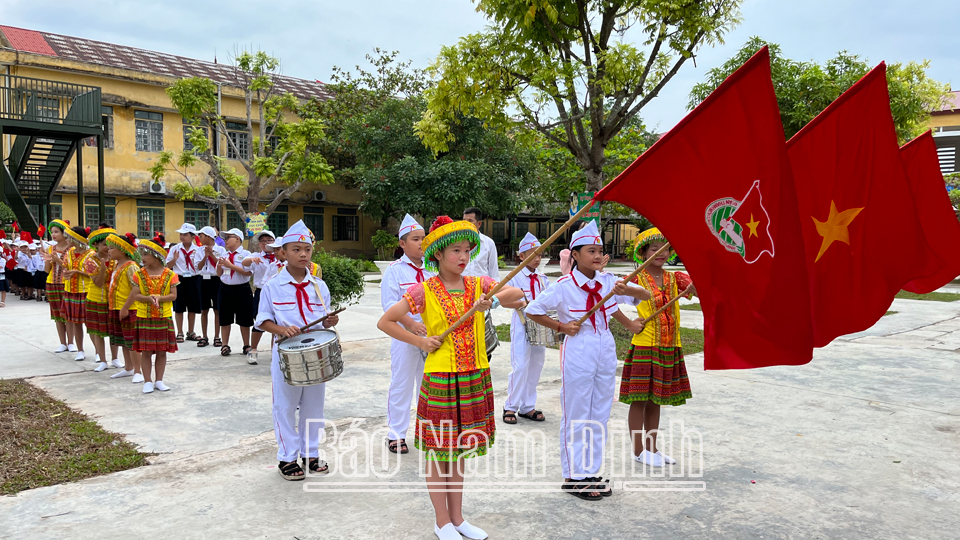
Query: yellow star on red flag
x=835, y=228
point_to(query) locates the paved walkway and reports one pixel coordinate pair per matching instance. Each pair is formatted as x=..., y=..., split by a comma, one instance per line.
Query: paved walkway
x=860, y=443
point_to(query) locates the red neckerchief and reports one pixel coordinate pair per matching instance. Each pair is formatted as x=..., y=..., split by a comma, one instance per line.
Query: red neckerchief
x=270, y=257
x=232, y=256
x=189, y=258
x=420, y=276
x=303, y=298
x=593, y=296
x=534, y=283
x=211, y=259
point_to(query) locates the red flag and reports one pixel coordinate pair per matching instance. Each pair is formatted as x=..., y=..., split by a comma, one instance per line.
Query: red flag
x=719, y=187
x=863, y=238
x=41, y=230
x=937, y=217
x=16, y=226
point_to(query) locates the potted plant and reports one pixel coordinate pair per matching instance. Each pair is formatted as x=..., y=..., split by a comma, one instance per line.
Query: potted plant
x=385, y=243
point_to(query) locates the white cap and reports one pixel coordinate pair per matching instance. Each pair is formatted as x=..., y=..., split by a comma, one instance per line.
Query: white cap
x=297, y=233
x=33, y=245
x=21, y=243
x=209, y=231
x=529, y=242
x=408, y=226
x=265, y=232
x=276, y=243
x=187, y=228
x=587, y=236
x=232, y=232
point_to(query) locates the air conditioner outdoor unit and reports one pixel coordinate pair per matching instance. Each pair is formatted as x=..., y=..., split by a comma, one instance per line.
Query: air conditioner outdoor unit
x=158, y=188
x=319, y=196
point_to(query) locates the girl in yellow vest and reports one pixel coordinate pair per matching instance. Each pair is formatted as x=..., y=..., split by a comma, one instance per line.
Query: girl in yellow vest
x=654, y=373
x=455, y=413
x=97, y=267
x=123, y=252
x=55, y=265
x=154, y=290
x=75, y=286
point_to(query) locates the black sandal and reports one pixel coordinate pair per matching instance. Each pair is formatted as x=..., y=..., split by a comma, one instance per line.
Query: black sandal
x=289, y=469
x=192, y=336
x=225, y=350
x=247, y=349
x=603, y=486
x=217, y=342
x=392, y=445
x=403, y=447
x=179, y=338
x=313, y=464
x=582, y=490
x=536, y=416
x=203, y=342
x=509, y=417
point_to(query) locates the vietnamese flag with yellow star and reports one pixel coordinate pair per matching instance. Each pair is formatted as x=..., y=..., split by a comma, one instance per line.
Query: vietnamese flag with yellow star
x=937, y=217
x=719, y=187
x=862, y=235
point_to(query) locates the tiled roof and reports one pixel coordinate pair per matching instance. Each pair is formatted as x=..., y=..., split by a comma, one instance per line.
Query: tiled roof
x=951, y=103
x=157, y=63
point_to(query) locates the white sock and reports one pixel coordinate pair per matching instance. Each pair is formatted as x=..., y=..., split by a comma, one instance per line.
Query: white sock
x=147, y=387
x=124, y=373
x=72, y=348
x=81, y=356
x=100, y=367
x=61, y=348
x=471, y=531
x=665, y=458
x=137, y=378
x=160, y=386
x=116, y=363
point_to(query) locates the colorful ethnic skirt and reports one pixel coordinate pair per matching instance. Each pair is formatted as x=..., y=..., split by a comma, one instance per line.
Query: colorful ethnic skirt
x=55, y=299
x=75, y=307
x=155, y=335
x=122, y=332
x=97, y=318
x=656, y=374
x=455, y=415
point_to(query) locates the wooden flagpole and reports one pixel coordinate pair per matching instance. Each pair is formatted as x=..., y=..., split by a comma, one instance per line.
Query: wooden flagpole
x=665, y=306
x=627, y=279
x=466, y=316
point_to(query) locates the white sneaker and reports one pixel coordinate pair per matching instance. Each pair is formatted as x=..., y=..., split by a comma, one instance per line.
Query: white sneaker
x=72, y=348
x=147, y=387
x=96, y=358
x=81, y=356
x=124, y=373
x=667, y=460
x=448, y=532
x=137, y=378
x=470, y=531
x=61, y=348
x=252, y=358
x=649, y=458
x=160, y=386
x=116, y=363
x=100, y=367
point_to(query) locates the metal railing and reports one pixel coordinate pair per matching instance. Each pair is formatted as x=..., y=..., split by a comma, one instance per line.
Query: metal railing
x=40, y=100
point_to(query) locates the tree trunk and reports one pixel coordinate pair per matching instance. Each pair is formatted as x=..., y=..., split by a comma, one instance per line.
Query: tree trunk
x=595, y=178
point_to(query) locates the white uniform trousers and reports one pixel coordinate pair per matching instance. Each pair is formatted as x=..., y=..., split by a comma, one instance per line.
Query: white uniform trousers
x=527, y=363
x=406, y=375
x=294, y=438
x=588, y=364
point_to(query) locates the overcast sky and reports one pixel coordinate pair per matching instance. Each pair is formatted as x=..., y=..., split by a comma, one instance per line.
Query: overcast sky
x=311, y=36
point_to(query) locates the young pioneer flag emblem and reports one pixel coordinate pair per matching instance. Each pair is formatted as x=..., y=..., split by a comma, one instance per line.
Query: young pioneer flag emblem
x=742, y=226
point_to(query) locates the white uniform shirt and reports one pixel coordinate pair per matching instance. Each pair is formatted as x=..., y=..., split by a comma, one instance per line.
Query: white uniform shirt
x=231, y=277
x=279, y=301
x=265, y=269
x=485, y=264
x=523, y=282
x=570, y=301
x=38, y=262
x=400, y=276
x=188, y=262
x=208, y=266
x=23, y=261
x=3, y=263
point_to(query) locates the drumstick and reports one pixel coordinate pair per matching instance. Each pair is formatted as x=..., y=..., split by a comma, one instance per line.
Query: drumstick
x=546, y=243
x=630, y=276
x=665, y=306
x=314, y=323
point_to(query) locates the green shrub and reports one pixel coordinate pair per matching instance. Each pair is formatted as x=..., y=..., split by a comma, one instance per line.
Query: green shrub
x=342, y=275
x=500, y=262
x=385, y=243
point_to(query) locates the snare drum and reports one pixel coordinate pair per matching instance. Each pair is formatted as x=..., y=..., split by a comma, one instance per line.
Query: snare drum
x=490, y=334
x=539, y=335
x=311, y=358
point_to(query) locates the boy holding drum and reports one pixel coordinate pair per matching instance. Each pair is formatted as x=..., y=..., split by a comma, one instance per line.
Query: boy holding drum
x=290, y=300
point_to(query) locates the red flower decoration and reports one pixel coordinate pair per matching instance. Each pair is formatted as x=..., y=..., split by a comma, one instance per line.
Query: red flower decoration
x=440, y=222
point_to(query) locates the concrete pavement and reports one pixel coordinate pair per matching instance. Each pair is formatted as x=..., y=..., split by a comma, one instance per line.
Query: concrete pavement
x=860, y=443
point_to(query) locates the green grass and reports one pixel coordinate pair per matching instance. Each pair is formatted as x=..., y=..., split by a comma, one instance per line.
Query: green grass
x=691, y=338
x=374, y=281
x=932, y=297
x=890, y=313
x=43, y=442
x=691, y=307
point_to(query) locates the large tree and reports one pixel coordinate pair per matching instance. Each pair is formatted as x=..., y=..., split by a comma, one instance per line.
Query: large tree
x=283, y=148
x=804, y=89
x=373, y=143
x=572, y=65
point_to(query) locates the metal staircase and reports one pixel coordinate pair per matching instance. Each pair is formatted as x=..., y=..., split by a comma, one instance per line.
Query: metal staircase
x=49, y=119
